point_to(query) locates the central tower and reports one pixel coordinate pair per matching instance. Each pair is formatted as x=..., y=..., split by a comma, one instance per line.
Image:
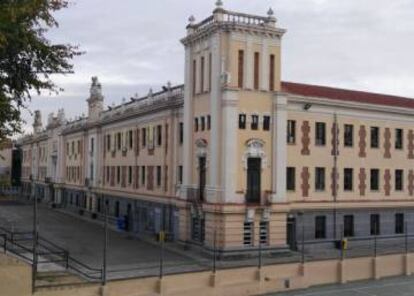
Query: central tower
x=232, y=73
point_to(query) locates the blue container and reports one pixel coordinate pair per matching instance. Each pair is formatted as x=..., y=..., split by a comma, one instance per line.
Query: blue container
x=120, y=222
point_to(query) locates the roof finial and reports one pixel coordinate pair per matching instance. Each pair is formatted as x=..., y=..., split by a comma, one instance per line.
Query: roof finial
x=270, y=12
x=191, y=19
x=219, y=3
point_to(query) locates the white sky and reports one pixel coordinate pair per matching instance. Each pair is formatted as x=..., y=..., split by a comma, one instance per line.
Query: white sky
x=132, y=45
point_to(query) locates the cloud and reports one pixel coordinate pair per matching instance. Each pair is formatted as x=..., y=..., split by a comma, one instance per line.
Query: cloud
x=133, y=45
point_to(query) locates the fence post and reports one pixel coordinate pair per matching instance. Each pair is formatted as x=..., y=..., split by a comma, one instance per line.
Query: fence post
x=215, y=251
x=260, y=254
x=303, y=241
x=406, y=237
x=105, y=247
x=161, y=238
x=67, y=260
x=342, y=245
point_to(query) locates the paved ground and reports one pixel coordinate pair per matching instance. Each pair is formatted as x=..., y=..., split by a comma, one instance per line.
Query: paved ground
x=401, y=286
x=127, y=256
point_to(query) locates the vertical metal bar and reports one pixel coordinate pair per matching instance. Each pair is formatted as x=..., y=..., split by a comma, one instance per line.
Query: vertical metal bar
x=35, y=235
x=105, y=246
x=67, y=259
x=341, y=244
x=375, y=240
x=161, y=256
x=260, y=254
x=214, y=251
x=303, y=239
x=406, y=237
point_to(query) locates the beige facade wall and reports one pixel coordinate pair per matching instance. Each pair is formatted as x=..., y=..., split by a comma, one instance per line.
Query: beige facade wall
x=349, y=157
x=16, y=278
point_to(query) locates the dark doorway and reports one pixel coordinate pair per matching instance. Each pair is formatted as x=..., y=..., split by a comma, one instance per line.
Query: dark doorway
x=128, y=218
x=202, y=176
x=253, y=180
x=291, y=233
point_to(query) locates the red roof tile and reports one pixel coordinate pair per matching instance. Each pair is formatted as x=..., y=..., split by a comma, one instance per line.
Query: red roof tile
x=346, y=95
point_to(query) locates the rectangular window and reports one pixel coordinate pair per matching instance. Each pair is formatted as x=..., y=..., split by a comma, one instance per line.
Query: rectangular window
x=180, y=174
x=203, y=123
x=92, y=145
x=181, y=135
x=399, y=223
x=118, y=174
x=399, y=180
x=130, y=139
x=256, y=70
x=248, y=234
x=319, y=179
x=348, y=225
x=399, y=135
x=272, y=72
x=374, y=180
x=240, y=69
x=348, y=135
x=119, y=140
x=208, y=122
x=320, y=133
x=202, y=75
x=242, y=121
x=290, y=178
x=266, y=123
x=130, y=175
x=143, y=175
x=291, y=131
x=264, y=233
x=159, y=135
x=255, y=122
x=194, y=77
x=320, y=227
x=375, y=224
x=196, y=124
x=375, y=137
x=348, y=179
x=158, y=176
x=107, y=174
x=144, y=136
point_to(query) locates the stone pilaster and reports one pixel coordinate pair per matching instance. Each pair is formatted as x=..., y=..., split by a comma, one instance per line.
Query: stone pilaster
x=279, y=148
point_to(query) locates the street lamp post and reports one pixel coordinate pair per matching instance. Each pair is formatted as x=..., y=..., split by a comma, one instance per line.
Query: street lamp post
x=35, y=238
x=105, y=247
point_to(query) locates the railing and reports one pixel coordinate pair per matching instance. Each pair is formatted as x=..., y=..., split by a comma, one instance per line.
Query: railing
x=242, y=18
x=233, y=18
x=20, y=244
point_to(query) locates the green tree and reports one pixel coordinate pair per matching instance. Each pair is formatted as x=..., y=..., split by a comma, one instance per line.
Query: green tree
x=27, y=57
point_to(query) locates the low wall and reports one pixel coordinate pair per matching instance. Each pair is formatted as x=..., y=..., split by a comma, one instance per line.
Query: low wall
x=15, y=278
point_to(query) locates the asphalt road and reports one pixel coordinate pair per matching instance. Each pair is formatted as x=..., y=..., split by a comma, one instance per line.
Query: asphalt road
x=401, y=286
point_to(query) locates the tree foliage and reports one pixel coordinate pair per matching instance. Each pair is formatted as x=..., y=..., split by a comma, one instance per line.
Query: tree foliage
x=27, y=57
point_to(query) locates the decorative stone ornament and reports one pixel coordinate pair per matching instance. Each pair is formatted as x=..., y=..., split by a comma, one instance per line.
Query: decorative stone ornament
x=254, y=149
x=191, y=19
x=270, y=12
x=219, y=3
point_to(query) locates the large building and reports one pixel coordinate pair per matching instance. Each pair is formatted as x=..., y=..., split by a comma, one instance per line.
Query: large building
x=235, y=155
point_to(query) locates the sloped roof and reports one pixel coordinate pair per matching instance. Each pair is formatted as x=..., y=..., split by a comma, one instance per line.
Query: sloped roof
x=346, y=95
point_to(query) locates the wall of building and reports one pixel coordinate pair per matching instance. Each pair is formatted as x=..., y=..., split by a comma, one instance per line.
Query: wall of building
x=16, y=278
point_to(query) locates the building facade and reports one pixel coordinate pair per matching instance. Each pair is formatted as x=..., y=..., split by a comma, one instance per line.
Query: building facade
x=234, y=157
